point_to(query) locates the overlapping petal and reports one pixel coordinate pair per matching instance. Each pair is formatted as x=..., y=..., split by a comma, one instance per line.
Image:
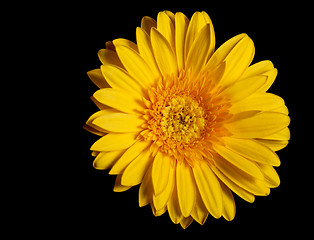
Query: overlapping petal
x=238, y=161
x=119, y=100
x=166, y=28
x=181, y=26
x=97, y=78
x=160, y=172
x=209, y=188
x=164, y=54
x=120, y=79
x=119, y=122
x=135, y=171
x=198, y=21
x=241, y=178
x=197, y=56
x=114, y=142
x=129, y=155
x=160, y=201
x=240, y=90
x=105, y=160
x=146, y=51
x=237, y=53
x=258, y=102
x=252, y=150
x=185, y=188
x=135, y=65
x=258, y=125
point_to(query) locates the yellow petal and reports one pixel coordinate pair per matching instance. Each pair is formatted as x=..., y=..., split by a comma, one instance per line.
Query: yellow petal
x=229, y=207
x=209, y=188
x=237, y=61
x=198, y=21
x=265, y=68
x=119, y=122
x=238, y=161
x=159, y=212
x=283, y=109
x=212, y=35
x=252, y=150
x=271, y=177
x=185, y=222
x=271, y=76
x=118, y=187
x=110, y=46
x=135, y=171
x=199, y=212
x=126, y=43
x=98, y=104
x=242, y=179
x=174, y=207
x=105, y=160
x=146, y=51
x=146, y=189
x=160, y=172
x=258, y=69
x=114, y=142
x=107, y=56
x=119, y=100
x=160, y=201
x=181, y=26
x=94, y=128
x=164, y=54
x=258, y=102
x=223, y=51
x=129, y=155
x=244, y=88
x=247, y=196
x=170, y=15
x=97, y=78
x=196, y=59
x=166, y=28
x=99, y=114
x=148, y=23
x=94, y=153
x=274, y=145
x=238, y=52
x=282, y=135
x=135, y=65
x=186, y=188
x=214, y=76
x=120, y=79
x=258, y=125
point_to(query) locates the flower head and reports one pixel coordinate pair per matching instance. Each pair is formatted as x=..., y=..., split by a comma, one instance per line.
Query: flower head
x=188, y=123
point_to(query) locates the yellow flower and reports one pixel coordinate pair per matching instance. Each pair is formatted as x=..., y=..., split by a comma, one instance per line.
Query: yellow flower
x=188, y=123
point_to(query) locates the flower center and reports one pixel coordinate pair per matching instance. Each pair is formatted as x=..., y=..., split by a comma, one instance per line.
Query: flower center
x=182, y=119
x=184, y=116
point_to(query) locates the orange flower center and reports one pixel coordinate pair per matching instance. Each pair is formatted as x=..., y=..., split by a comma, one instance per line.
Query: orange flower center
x=184, y=117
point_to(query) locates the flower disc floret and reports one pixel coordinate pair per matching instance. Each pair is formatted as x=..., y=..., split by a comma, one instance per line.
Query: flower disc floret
x=183, y=119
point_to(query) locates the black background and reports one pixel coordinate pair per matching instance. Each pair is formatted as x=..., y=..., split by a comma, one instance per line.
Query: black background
x=280, y=35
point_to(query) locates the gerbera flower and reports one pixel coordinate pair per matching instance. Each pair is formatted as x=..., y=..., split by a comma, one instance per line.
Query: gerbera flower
x=190, y=124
